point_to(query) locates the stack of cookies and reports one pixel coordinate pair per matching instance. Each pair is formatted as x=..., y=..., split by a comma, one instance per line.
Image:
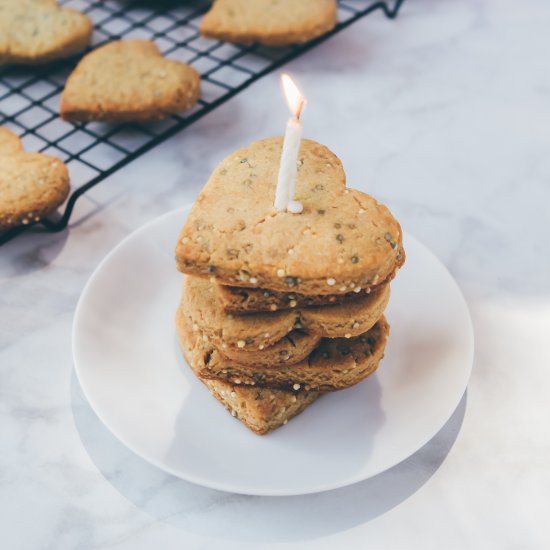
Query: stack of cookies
x=279, y=308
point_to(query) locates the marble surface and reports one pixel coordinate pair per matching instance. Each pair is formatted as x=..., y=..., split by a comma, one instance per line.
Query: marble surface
x=444, y=115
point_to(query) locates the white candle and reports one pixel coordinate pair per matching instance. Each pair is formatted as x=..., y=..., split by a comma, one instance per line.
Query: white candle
x=288, y=169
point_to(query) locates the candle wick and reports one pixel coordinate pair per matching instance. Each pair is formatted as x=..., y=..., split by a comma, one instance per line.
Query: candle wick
x=299, y=110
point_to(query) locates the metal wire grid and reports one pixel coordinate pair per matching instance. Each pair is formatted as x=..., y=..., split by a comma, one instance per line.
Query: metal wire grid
x=29, y=97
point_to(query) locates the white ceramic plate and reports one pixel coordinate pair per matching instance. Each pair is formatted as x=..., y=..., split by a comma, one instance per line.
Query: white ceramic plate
x=131, y=370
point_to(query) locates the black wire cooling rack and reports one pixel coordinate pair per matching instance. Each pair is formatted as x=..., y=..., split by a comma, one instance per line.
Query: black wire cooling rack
x=29, y=97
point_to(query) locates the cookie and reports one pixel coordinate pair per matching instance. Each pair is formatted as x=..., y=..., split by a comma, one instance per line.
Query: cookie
x=241, y=300
x=269, y=22
x=9, y=142
x=258, y=331
x=260, y=410
x=32, y=185
x=291, y=348
x=39, y=31
x=128, y=80
x=334, y=365
x=343, y=240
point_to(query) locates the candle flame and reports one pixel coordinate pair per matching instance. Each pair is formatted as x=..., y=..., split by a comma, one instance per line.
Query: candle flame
x=293, y=96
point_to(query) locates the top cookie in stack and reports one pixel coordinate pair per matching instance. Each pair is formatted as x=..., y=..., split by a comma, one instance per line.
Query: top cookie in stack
x=344, y=241
x=279, y=306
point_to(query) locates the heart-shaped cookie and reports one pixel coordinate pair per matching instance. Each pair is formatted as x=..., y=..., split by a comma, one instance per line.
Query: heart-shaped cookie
x=335, y=364
x=269, y=22
x=259, y=409
x=259, y=331
x=9, y=143
x=343, y=240
x=38, y=31
x=128, y=80
x=32, y=185
x=290, y=349
x=241, y=301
